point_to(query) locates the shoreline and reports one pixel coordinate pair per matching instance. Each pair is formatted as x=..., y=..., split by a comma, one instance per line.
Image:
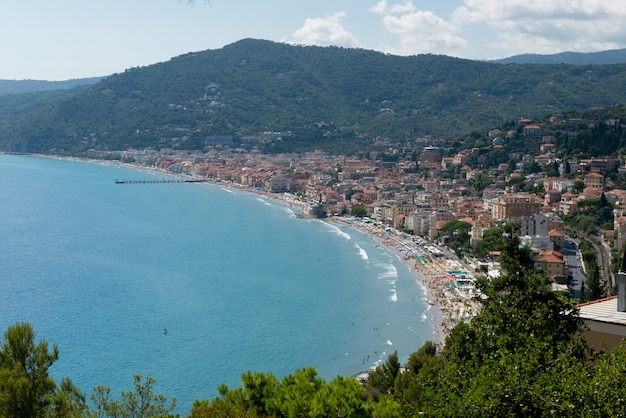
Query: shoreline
x=432, y=308
x=445, y=303
x=437, y=275
x=448, y=305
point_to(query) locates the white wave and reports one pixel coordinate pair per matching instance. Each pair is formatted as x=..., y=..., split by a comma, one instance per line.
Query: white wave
x=265, y=202
x=394, y=296
x=362, y=252
x=424, y=317
x=390, y=273
x=339, y=232
x=228, y=190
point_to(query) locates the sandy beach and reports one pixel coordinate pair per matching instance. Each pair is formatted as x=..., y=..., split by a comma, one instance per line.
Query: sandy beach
x=448, y=283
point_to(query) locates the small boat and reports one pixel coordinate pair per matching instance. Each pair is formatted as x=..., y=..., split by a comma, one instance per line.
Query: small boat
x=165, y=331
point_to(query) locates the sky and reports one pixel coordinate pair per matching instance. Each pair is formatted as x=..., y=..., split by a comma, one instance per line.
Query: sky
x=68, y=39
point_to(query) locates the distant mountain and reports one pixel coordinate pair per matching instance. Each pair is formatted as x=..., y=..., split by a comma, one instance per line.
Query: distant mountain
x=30, y=86
x=282, y=97
x=615, y=56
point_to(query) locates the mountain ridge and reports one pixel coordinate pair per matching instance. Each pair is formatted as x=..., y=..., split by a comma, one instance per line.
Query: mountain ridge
x=324, y=97
x=31, y=86
x=614, y=56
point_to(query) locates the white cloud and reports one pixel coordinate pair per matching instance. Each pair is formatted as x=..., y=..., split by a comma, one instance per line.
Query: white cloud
x=324, y=31
x=548, y=26
x=480, y=28
x=419, y=31
x=494, y=10
x=382, y=7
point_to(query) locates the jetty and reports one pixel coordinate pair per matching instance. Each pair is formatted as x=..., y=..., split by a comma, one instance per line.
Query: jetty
x=146, y=181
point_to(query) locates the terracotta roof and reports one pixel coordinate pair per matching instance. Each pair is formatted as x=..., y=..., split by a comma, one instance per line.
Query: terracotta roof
x=552, y=252
x=551, y=256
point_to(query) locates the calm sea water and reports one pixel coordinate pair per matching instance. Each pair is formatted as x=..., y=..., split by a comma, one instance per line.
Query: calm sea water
x=237, y=279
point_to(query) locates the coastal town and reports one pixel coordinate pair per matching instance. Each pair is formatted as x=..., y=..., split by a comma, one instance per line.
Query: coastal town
x=405, y=194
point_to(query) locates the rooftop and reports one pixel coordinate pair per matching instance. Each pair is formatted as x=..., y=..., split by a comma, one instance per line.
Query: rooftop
x=603, y=310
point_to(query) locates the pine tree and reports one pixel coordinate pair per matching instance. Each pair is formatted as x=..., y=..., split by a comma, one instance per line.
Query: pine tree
x=595, y=285
x=26, y=388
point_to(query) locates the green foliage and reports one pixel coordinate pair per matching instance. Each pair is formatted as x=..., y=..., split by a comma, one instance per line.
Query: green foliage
x=16, y=87
x=69, y=401
x=494, y=239
x=456, y=234
x=597, y=139
x=579, y=185
x=479, y=183
x=455, y=225
x=515, y=181
x=587, y=251
x=593, y=213
x=501, y=362
x=302, y=394
x=409, y=386
x=221, y=408
x=517, y=262
x=595, y=287
x=26, y=388
x=140, y=403
x=383, y=378
x=358, y=211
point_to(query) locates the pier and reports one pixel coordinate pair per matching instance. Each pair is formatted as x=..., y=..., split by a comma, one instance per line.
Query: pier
x=146, y=181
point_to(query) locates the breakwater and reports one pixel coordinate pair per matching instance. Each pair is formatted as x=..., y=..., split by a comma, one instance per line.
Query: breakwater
x=145, y=181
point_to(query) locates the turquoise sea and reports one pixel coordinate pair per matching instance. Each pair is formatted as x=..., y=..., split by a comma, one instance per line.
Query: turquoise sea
x=239, y=282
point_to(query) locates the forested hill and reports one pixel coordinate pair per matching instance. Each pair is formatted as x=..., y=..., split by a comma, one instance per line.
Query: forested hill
x=614, y=56
x=30, y=86
x=325, y=97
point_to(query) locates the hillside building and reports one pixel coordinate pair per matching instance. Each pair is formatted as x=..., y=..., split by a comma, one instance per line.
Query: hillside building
x=515, y=206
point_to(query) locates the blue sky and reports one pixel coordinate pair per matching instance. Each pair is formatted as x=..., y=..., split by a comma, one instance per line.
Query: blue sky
x=64, y=39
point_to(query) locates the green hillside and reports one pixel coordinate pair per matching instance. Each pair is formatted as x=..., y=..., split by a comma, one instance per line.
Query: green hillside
x=333, y=98
x=29, y=86
x=614, y=56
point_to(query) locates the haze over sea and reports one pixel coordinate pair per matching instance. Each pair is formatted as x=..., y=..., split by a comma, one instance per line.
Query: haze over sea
x=237, y=279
